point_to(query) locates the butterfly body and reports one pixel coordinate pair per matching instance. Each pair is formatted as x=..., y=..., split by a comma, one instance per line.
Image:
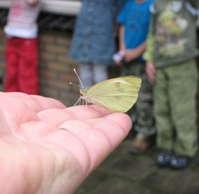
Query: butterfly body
x=117, y=94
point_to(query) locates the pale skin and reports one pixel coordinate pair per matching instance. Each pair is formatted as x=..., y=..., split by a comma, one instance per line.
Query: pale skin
x=135, y=53
x=46, y=148
x=151, y=72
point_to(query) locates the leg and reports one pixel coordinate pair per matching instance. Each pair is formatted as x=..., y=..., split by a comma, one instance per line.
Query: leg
x=183, y=89
x=132, y=69
x=11, y=78
x=28, y=68
x=99, y=73
x=145, y=122
x=162, y=111
x=142, y=113
x=86, y=74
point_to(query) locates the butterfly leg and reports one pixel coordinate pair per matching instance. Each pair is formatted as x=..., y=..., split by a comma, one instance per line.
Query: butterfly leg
x=78, y=101
x=83, y=101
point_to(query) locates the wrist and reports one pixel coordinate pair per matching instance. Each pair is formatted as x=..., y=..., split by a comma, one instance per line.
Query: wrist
x=117, y=57
x=150, y=62
x=122, y=52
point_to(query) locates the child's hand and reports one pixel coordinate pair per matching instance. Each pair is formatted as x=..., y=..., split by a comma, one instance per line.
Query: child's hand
x=151, y=72
x=135, y=53
x=118, y=57
x=130, y=55
x=32, y=2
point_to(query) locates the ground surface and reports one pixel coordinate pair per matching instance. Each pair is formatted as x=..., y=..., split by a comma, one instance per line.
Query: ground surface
x=124, y=173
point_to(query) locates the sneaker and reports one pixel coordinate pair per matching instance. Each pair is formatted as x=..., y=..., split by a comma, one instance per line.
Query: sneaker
x=164, y=159
x=179, y=162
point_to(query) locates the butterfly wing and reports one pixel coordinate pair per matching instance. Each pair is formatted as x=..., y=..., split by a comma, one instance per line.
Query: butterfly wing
x=117, y=94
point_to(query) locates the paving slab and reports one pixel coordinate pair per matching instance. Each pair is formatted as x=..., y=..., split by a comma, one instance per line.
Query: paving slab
x=127, y=173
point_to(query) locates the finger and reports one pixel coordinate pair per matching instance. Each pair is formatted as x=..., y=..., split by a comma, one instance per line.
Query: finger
x=34, y=130
x=57, y=116
x=48, y=120
x=83, y=112
x=46, y=103
x=101, y=124
x=117, y=63
x=103, y=137
x=152, y=70
x=54, y=116
x=94, y=142
x=150, y=78
x=14, y=111
x=34, y=102
x=17, y=108
x=27, y=99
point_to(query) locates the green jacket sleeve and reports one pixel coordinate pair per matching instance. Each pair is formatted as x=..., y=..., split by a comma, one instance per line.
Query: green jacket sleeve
x=149, y=53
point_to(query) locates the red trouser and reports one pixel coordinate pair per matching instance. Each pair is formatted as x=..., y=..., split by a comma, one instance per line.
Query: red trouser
x=22, y=65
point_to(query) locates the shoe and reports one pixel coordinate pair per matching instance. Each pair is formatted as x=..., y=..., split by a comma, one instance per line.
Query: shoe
x=139, y=144
x=164, y=159
x=179, y=162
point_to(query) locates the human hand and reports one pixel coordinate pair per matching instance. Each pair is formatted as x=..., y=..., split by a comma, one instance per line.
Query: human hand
x=32, y=2
x=118, y=57
x=130, y=55
x=61, y=147
x=135, y=53
x=151, y=72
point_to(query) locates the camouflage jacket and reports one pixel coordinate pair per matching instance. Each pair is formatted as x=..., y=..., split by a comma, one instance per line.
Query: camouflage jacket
x=172, y=37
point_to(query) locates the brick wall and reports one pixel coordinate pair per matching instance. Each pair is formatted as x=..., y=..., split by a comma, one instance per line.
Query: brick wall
x=56, y=70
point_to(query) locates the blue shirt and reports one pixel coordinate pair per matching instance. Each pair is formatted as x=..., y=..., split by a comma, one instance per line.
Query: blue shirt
x=135, y=17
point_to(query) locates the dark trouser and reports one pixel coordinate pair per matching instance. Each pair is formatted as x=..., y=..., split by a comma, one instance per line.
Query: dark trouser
x=142, y=112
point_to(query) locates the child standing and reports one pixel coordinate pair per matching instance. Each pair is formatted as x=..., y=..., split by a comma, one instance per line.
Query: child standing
x=171, y=57
x=22, y=47
x=93, y=41
x=134, y=20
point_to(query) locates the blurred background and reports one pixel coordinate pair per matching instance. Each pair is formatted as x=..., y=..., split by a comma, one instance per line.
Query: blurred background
x=56, y=23
x=123, y=172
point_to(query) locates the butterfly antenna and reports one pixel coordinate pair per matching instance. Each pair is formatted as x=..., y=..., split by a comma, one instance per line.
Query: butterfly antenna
x=80, y=81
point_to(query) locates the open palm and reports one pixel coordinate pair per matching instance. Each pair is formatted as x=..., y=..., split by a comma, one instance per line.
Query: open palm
x=46, y=148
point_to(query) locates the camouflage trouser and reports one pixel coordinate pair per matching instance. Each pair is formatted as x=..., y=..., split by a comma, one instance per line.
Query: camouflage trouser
x=175, y=108
x=142, y=112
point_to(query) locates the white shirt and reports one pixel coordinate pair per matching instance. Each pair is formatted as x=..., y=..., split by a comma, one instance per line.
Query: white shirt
x=22, y=19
